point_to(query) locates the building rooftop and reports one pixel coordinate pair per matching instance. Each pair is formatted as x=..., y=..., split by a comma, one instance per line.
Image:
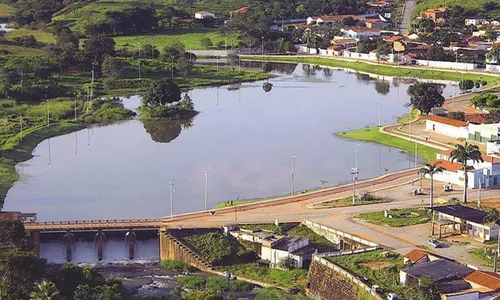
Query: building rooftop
x=448, y=165
x=486, y=158
x=287, y=241
x=447, y=121
x=361, y=29
x=415, y=255
x=338, y=17
x=439, y=270
x=454, y=286
x=462, y=212
x=486, y=279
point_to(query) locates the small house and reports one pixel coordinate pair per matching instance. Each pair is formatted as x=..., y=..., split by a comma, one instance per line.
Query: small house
x=467, y=220
x=438, y=15
x=295, y=247
x=358, y=32
x=474, y=21
x=446, y=126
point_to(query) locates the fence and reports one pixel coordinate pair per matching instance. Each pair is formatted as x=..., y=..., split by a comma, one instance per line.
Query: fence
x=349, y=236
x=213, y=52
x=493, y=68
x=445, y=64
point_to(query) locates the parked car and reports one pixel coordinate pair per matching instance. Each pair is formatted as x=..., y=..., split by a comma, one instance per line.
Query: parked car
x=376, y=289
x=392, y=296
x=434, y=243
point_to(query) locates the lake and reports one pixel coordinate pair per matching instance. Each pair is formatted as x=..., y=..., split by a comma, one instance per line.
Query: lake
x=248, y=138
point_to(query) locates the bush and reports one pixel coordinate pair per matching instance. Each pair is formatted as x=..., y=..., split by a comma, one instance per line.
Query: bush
x=457, y=115
x=220, y=284
x=287, y=263
x=177, y=265
x=192, y=282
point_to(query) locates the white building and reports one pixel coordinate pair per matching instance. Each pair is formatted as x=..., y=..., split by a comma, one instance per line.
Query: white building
x=360, y=32
x=446, y=126
x=333, y=19
x=203, y=14
x=474, y=21
x=295, y=247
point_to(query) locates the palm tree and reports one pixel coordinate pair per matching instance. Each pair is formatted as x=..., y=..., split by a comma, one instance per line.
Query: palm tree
x=430, y=170
x=309, y=38
x=463, y=154
x=45, y=290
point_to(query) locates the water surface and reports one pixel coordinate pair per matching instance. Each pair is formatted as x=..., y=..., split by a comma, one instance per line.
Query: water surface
x=247, y=137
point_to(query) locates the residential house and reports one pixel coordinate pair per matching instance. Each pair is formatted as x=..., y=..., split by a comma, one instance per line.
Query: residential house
x=333, y=19
x=438, y=270
x=464, y=219
x=454, y=174
x=438, y=15
x=493, y=148
x=203, y=14
x=243, y=10
x=474, y=21
x=344, y=42
x=374, y=23
x=381, y=4
x=358, y=32
x=295, y=247
x=446, y=126
x=335, y=50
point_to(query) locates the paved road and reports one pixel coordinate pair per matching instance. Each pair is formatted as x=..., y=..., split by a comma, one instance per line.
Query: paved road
x=405, y=22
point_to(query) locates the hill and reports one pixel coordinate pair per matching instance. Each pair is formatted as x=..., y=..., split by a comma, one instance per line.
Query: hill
x=487, y=8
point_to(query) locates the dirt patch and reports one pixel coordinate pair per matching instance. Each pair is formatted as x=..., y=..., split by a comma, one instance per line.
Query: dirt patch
x=377, y=265
x=491, y=202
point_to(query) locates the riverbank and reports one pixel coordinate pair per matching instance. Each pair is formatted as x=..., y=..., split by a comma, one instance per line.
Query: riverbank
x=372, y=134
x=381, y=69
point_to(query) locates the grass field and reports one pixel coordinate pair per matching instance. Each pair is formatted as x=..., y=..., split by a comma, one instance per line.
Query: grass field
x=21, y=50
x=6, y=10
x=467, y=4
x=317, y=241
x=486, y=258
x=347, y=201
x=372, y=134
x=283, y=278
x=382, y=271
x=189, y=37
x=385, y=70
x=417, y=216
x=40, y=36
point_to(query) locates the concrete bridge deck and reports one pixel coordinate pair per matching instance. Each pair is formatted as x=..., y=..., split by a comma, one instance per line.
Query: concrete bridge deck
x=93, y=224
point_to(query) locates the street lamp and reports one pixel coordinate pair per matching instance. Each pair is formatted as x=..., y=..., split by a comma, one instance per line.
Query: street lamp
x=74, y=94
x=354, y=173
x=379, y=113
x=293, y=174
x=139, y=43
x=171, y=200
x=21, y=124
x=48, y=113
x=262, y=46
x=206, y=186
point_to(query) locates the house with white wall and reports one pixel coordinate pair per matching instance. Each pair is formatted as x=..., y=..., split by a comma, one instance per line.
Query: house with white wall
x=295, y=247
x=454, y=174
x=468, y=220
x=337, y=19
x=203, y=14
x=446, y=126
x=358, y=32
x=474, y=21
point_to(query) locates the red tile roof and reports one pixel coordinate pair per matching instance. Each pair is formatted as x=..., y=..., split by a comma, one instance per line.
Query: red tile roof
x=486, y=158
x=448, y=165
x=476, y=118
x=415, y=255
x=362, y=29
x=486, y=279
x=447, y=121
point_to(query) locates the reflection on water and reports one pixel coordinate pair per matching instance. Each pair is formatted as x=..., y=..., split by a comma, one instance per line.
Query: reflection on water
x=246, y=136
x=167, y=130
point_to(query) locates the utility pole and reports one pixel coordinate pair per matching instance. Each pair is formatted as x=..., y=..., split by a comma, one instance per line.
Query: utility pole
x=48, y=113
x=379, y=114
x=416, y=152
x=21, y=123
x=293, y=174
x=354, y=173
x=74, y=94
x=206, y=186
x=171, y=200
x=140, y=58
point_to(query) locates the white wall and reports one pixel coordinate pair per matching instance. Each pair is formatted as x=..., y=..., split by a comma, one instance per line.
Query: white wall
x=266, y=253
x=213, y=52
x=457, y=178
x=445, y=64
x=486, y=130
x=465, y=296
x=493, y=68
x=445, y=129
x=493, y=147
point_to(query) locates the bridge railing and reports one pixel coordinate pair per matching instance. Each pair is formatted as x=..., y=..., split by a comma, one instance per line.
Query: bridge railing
x=94, y=224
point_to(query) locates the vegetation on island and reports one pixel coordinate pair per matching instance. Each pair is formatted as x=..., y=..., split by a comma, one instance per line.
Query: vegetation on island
x=397, y=217
x=366, y=199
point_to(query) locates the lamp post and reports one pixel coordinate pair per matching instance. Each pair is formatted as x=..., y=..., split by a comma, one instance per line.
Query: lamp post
x=171, y=200
x=354, y=173
x=262, y=46
x=21, y=124
x=172, y=67
x=139, y=58
x=206, y=186
x=293, y=174
x=48, y=113
x=379, y=113
x=74, y=94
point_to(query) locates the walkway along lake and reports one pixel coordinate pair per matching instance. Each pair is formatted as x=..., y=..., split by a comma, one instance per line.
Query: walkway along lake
x=247, y=137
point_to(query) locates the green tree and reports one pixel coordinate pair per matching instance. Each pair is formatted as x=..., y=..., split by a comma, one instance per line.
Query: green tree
x=45, y=290
x=280, y=47
x=184, y=66
x=382, y=51
x=206, y=43
x=491, y=34
x=457, y=115
x=494, y=54
x=430, y=170
x=113, y=67
x=96, y=48
x=288, y=263
x=466, y=85
x=424, y=289
x=485, y=99
x=309, y=38
x=290, y=47
x=463, y=154
x=150, y=51
x=162, y=92
x=435, y=53
x=425, y=96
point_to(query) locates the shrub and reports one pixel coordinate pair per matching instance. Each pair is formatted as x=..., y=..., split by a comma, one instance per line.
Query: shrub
x=287, y=263
x=192, y=282
x=457, y=115
x=177, y=265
